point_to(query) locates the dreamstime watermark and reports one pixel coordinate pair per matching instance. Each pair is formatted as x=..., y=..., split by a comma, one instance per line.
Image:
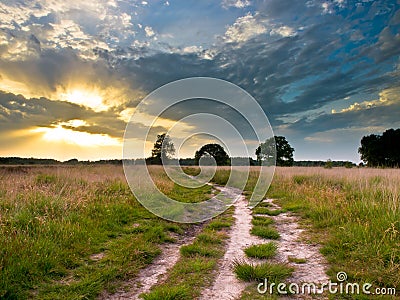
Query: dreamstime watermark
x=196, y=111
x=340, y=287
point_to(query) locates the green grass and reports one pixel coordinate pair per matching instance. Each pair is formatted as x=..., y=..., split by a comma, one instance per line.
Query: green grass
x=217, y=225
x=262, y=221
x=43, y=179
x=266, y=211
x=297, y=260
x=251, y=293
x=264, y=204
x=53, y=220
x=355, y=215
x=199, y=248
x=271, y=272
x=262, y=251
x=211, y=237
x=168, y=293
x=194, y=171
x=265, y=232
x=189, y=195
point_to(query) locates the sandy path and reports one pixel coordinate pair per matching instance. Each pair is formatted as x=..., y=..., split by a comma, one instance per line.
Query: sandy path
x=226, y=285
x=155, y=272
x=290, y=244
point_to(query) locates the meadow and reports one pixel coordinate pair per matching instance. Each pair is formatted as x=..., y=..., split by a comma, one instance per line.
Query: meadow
x=355, y=215
x=72, y=232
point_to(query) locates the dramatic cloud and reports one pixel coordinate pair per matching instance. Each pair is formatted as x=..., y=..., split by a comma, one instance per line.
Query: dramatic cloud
x=82, y=67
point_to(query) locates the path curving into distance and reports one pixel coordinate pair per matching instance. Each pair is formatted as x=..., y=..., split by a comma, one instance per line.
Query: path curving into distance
x=226, y=286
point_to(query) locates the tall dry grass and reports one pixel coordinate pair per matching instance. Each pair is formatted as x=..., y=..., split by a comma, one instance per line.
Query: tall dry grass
x=356, y=213
x=54, y=218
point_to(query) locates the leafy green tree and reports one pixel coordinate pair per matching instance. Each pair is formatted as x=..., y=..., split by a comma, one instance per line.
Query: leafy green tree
x=381, y=150
x=163, y=149
x=214, y=150
x=276, y=149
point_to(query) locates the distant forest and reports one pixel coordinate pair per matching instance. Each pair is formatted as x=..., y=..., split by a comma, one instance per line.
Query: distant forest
x=236, y=161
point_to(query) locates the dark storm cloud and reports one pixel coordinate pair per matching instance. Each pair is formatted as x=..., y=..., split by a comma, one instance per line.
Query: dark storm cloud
x=55, y=68
x=17, y=112
x=320, y=61
x=321, y=52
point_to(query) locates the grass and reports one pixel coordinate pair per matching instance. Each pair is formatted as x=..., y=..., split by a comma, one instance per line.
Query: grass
x=264, y=204
x=262, y=221
x=220, y=224
x=251, y=293
x=189, y=195
x=265, y=232
x=211, y=237
x=178, y=192
x=199, y=248
x=355, y=214
x=168, y=293
x=267, y=211
x=271, y=272
x=297, y=260
x=262, y=251
x=54, y=219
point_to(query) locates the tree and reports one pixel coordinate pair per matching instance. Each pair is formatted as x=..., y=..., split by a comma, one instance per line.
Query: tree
x=276, y=149
x=328, y=164
x=163, y=150
x=381, y=150
x=214, y=150
x=266, y=152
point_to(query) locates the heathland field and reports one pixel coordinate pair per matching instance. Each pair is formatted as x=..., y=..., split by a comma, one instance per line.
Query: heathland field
x=77, y=232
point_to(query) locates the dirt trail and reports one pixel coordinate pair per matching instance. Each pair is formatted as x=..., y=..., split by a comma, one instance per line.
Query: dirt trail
x=156, y=271
x=290, y=245
x=226, y=285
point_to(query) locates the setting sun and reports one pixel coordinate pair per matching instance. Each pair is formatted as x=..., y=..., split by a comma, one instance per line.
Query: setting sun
x=69, y=136
x=86, y=98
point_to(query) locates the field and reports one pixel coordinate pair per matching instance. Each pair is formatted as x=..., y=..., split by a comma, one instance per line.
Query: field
x=77, y=232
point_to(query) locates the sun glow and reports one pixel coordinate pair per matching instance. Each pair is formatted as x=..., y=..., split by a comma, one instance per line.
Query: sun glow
x=83, y=97
x=69, y=136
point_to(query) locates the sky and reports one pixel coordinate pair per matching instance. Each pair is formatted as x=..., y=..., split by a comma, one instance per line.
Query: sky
x=72, y=72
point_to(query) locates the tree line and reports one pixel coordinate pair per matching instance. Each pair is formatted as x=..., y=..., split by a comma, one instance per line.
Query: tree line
x=381, y=150
x=275, y=150
x=375, y=150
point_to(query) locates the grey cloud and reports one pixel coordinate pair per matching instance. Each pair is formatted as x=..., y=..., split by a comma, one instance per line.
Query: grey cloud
x=386, y=116
x=16, y=112
x=322, y=62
